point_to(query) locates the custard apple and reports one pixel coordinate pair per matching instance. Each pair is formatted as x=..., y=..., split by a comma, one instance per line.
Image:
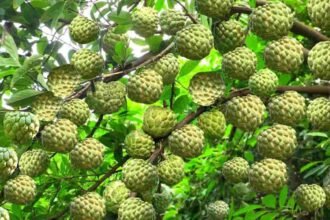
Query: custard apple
x=284, y=55
x=214, y=8
x=145, y=21
x=213, y=123
x=4, y=214
x=171, y=170
x=83, y=30
x=76, y=110
x=88, y=206
x=46, y=106
x=240, y=63
x=139, y=175
x=310, y=197
x=236, y=170
x=318, y=113
x=187, y=142
x=20, y=127
x=263, y=83
x=318, y=11
x=21, y=190
x=8, y=162
x=162, y=200
x=60, y=136
x=88, y=63
x=172, y=21
x=318, y=60
x=271, y=21
x=194, y=42
x=87, y=154
x=136, y=209
x=327, y=195
x=167, y=67
x=206, y=88
x=63, y=80
x=112, y=38
x=268, y=175
x=245, y=112
x=107, y=97
x=229, y=35
x=218, y=210
x=288, y=108
x=278, y=142
x=34, y=162
x=114, y=194
x=158, y=122
x=139, y=144
x=146, y=86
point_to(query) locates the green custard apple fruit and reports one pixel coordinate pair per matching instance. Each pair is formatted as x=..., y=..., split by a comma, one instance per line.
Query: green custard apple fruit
x=187, y=142
x=60, y=136
x=158, y=122
x=145, y=21
x=318, y=11
x=214, y=8
x=171, y=170
x=167, y=67
x=206, y=88
x=171, y=21
x=194, y=42
x=87, y=63
x=263, y=83
x=112, y=38
x=310, y=197
x=83, y=30
x=236, y=170
x=318, y=60
x=4, y=214
x=218, y=210
x=288, y=108
x=213, y=123
x=135, y=208
x=114, y=194
x=8, y=162
x=34, y=162
x=318, y=113
x=76, y=110
x=46, y=107
x=278, y=142
x=139, y=144
x=21, y=190
x=20, y=127
x=240, y=63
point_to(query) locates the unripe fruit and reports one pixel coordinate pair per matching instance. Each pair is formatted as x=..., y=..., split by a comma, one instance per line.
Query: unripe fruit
x=34, y=162
x=263, y=83
x=4, y=214
x=236, y=170
x=21, y=190
x=88, y=63
x=310, y=197
x=318, y=11
x=172, y=21
x=167, y=67
x=83, y=30
x=318, y=60
x=218, y=210
x=145, y=21
x=135, y=208
x=213, y=123
x=8, y=162
x=139, y=145
x=214, y=8
x=114, y=194
x=46, y=106
x=76, y=110
x=171, y=170
x=112, y=38
x=318, y=113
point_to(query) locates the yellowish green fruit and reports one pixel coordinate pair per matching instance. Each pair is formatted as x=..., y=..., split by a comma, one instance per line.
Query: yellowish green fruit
x=167, y=67
x=21, y=190
x=8, y=162
x=161, y=200
x=318, y=11
x=4, y=214
x=214, y=8
x=88, y=63
x=171, y=170
x=318, y=60
x=83, y=30
x=139, y=144
x=114, y=194
x=310, y=197
x=112, y=38
x=218, y=210
x=318, y=113
x=236, y=170
x=135, y=208
x=46, y=106
x=145, y=21
x=34, y=162
x=213, y=123
x=76, y=110
x=172, y=21
x=263, y=83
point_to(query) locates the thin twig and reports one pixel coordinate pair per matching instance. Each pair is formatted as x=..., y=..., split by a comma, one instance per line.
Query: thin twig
x=172, y=95
x=187, y=12
x=96, y=126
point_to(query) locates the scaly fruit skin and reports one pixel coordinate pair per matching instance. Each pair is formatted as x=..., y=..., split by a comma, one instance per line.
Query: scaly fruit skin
x=145, y=86
x=172, y=21
x=139, y=175
x=263, y=83
x=271, y=21
x=310, y=197
x=46, y=106
x=229, y=35
x=171, y=170
x=4, y=214
x=135, y=208
x=34, y=162
x=284, y=55
x=318, y=60
x=20, y=190
x=88, y=63
x=158, y=122
x=214, y=8
x=206, y=88
x=187, y=142
x=60, y=136
x=87, y=154
x=194, y=42
x=107, y=97
x=145, y=21
x=236, y=170
x=20, y=127
x=8, y=162
x=167, y=67
x=83, y=30
x=218, y=210
x=114, y=194
x=277, y=142
x=162, y=200
x=268, y=175
x=139, y=144
x=76, y=110
x=318, y=11
x=318, y=113
x=63, y=80
x=240, y=63
x=213, y=123
x=245, y=112
x=111, y=38
x=88, y=206
x=288, y=108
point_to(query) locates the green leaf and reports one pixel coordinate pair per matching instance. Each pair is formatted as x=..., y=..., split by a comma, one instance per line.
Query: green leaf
x=8, y=62
x=247, y=209
x=315, y=170
x=317, y=134
x=248, y=155
x=269, y=201
x=189, y=66
x=269, y=216
x=9, y=44
x=23, y=97
x=39, y=3
x=154, y=42
x=309, y=165
x=54, y=12
x=181, y=103
x=123, y=18
x=283, y=196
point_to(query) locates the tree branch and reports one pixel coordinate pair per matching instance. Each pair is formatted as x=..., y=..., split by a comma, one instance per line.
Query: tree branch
x=96, y=126
x=172, y=95
x=194, y=20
